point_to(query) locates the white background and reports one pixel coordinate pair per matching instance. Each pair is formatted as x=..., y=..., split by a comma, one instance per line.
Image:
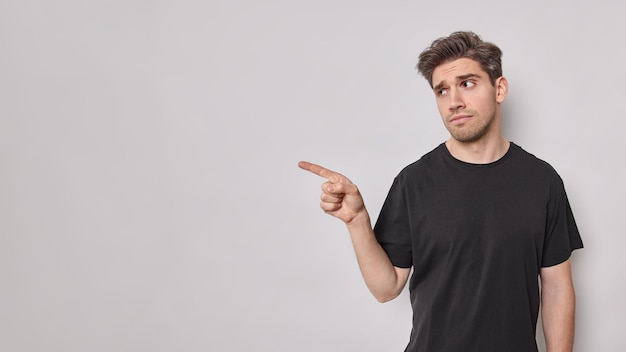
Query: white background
x=149, y=193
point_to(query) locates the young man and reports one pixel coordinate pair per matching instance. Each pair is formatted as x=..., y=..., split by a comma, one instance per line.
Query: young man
x=478, y=219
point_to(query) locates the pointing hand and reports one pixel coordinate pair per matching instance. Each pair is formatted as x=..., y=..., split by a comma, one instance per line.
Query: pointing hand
x=340, y=197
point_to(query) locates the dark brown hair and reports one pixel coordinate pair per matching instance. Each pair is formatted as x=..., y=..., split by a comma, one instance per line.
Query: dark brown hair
x=461, y=45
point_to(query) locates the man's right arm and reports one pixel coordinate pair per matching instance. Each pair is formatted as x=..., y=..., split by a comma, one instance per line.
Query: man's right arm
x=342, y=199
x=384, y=280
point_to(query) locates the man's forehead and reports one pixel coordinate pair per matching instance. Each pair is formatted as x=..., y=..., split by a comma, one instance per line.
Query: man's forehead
x=449, y=70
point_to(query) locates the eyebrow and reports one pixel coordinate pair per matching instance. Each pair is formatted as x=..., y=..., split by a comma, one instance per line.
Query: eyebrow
x=458, y=78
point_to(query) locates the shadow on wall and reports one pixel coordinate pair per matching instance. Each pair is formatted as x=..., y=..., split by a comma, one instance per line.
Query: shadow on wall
x=512, y=118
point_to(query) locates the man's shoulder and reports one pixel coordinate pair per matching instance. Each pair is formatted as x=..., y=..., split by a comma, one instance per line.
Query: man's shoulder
x=427, y=160
x=528, y=159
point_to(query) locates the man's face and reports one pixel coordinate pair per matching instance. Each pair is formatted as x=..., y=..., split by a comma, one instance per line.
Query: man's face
x=466, y=99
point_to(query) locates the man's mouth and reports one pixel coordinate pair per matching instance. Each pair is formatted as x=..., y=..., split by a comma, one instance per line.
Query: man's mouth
x=460, y=119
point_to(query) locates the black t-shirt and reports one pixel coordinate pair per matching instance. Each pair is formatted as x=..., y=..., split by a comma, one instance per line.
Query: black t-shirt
x=476, y=236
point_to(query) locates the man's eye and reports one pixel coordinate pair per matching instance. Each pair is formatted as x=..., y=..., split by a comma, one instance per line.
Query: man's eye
x=468, y=84
x=442, y=92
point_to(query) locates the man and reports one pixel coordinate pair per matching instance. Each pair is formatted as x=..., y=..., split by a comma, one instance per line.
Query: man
x=478, y=219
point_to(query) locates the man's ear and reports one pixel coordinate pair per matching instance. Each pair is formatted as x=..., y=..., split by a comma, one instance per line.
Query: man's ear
x=502, y=88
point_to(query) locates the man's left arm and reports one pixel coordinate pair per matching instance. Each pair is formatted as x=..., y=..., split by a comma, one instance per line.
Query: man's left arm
x=558, y=305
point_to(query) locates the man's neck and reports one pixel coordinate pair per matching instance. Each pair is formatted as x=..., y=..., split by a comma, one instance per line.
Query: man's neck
x=483, y=151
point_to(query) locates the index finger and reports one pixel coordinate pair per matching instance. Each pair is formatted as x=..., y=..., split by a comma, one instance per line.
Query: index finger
x=316, y=169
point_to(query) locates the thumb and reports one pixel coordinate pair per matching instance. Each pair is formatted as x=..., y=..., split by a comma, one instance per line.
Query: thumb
x=342, y=188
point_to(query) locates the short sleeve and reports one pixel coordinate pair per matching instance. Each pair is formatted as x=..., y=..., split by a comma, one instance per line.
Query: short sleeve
x=392, y=228
x=562, y=236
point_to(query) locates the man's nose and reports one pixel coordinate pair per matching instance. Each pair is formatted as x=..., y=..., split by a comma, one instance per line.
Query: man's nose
x=456, y=100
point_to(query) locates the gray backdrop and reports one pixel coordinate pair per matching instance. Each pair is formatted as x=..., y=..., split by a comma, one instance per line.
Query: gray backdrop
x=149, y=193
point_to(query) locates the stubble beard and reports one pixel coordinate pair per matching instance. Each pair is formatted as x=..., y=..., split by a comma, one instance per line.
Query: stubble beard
x=468, y=133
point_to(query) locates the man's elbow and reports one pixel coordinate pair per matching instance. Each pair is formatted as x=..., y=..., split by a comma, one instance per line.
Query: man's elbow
x=387, y=291
x=386, y=297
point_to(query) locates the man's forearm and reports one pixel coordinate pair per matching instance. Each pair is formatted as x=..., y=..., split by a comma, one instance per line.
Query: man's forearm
x=558, y=303
x=384, y=280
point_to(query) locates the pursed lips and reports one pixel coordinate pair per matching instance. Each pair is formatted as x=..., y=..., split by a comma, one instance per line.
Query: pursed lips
x=460, y=119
